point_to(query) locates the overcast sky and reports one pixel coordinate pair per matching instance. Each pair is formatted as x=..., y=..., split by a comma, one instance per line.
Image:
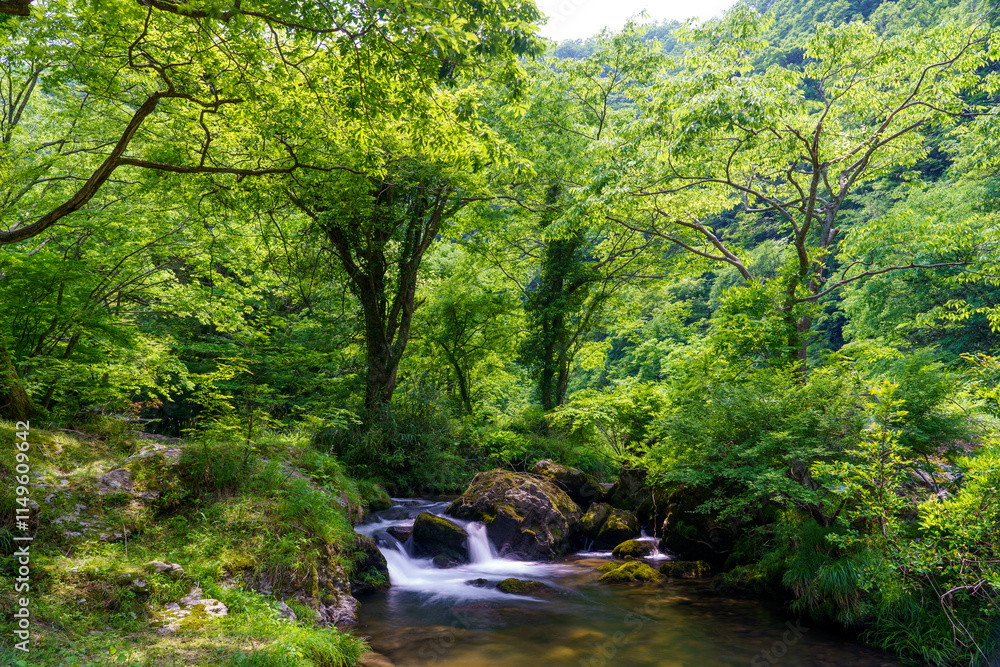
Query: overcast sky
x=576, y=19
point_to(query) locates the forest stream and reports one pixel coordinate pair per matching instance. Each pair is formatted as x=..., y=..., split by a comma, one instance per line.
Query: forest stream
x=452, y=618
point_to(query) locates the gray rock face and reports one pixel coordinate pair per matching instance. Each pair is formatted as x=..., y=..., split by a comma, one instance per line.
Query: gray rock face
x=525, y=515
x=145, y=475
x=174, y=615
x=286, y=612
x=582, y=488
x=325, y=588
x=172, y=570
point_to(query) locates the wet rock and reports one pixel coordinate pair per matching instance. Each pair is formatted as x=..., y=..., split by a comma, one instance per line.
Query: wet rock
x=582, y=488
x=520, y=586
x=525, y=515
x=608, y=526
x=478, y=583
x=632, y=549
x=371, y=573
x=444, y=561
x=595, y=517
x=400, y=533
x=435, y=536
x=687, y=569
x=629, y=572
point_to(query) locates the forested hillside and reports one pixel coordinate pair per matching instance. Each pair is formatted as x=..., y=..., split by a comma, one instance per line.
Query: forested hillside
x=390, y=246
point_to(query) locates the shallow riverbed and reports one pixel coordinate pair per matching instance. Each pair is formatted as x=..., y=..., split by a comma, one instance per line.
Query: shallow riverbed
x=433, y=616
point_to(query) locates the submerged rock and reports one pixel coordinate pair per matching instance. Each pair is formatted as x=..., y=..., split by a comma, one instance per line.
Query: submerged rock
x=632, y=549
x=400, y=533
x=608, y=526
x=434, y=536
x=525, y=515
x=520, y=586
x=582, y=488
x=688, y=569
x=629, y=572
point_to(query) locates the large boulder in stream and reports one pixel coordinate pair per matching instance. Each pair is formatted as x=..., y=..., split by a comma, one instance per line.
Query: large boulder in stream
x=582, y=489
x=608, y=526
x=525, y=515
x=435, y=537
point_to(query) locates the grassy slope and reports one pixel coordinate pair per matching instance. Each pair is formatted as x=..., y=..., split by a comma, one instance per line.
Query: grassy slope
x=224, y=513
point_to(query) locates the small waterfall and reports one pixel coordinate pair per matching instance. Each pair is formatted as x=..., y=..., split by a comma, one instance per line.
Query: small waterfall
x=481, y=550
x=419, y=575
x=656, y=554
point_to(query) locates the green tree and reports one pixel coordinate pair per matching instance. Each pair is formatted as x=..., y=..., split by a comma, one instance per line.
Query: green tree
x=794, y=145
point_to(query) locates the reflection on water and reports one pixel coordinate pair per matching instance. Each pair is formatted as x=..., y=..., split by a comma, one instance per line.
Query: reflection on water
x=435, y=617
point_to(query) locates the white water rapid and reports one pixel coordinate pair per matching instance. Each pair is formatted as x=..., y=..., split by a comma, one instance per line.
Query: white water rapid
x=406, y=572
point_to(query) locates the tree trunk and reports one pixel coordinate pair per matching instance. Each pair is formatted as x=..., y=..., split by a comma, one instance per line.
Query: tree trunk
x=15, y=403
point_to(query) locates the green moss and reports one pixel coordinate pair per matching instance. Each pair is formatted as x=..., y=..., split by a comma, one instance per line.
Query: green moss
x=689, y=569
x=607, y=567
x=520, y=586
x=630, y=572
x=631, y=549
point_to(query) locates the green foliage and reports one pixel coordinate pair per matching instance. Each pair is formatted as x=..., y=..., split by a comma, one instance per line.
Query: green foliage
x=749, y=435
x=619, y=419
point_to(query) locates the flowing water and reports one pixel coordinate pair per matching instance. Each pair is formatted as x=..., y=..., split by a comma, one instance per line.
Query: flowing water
x=438, y=617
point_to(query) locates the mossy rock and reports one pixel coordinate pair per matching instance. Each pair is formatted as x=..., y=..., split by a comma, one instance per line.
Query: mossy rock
x=632, y=549
x=687, y=569
x=595, y=517
x=619, y=526
x=630, y=572
x=520, y=586
x=370, y=571
x=610, y=565
x=582, y=488
x=526, y=516
x=434, y=536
